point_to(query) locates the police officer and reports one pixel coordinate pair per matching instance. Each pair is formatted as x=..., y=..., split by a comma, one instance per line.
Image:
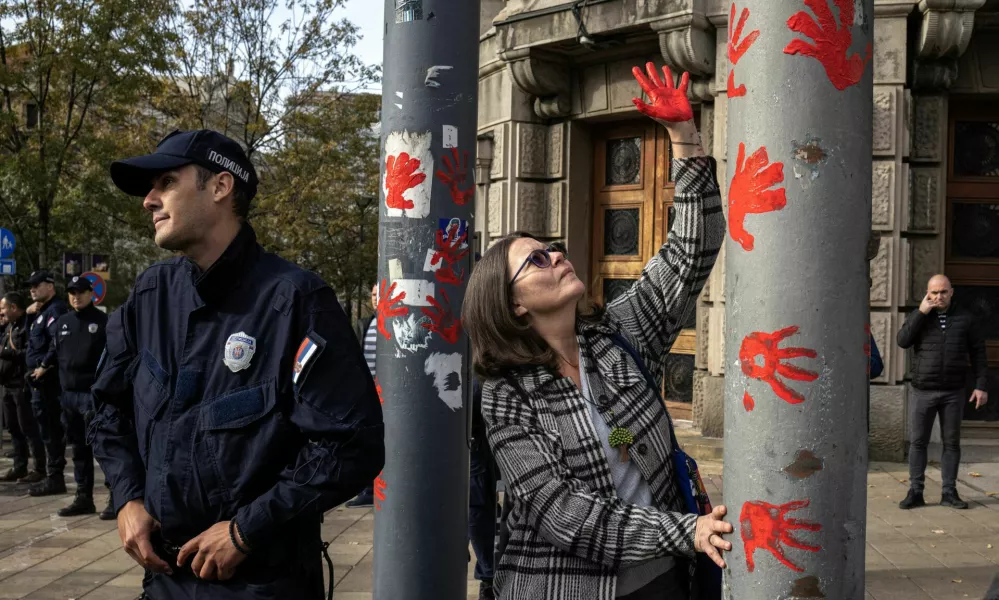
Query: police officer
x=234, y=406
x=79, y=341
x=44, y=380
x=16, y=400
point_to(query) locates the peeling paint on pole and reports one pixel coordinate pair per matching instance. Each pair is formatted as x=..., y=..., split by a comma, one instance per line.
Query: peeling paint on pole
x=799, y=127
x=424, y=259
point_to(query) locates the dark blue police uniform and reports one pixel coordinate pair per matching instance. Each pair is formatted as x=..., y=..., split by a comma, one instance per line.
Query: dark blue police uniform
x=78, y=338
x=45, y=391
x=237, y=393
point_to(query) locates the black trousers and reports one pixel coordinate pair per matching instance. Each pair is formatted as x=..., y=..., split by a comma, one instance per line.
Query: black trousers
x=48, y=411
x=671, y=585
x=77, y=412
x=20, y=420
x=926, y=405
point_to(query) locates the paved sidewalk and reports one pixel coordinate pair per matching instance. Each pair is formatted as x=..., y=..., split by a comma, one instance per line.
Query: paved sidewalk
x=931, y=553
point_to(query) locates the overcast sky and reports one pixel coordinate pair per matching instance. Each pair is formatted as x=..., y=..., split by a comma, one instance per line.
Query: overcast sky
x=367, y=15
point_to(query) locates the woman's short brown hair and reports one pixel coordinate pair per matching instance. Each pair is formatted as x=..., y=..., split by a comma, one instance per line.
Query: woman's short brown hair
x=502, y=341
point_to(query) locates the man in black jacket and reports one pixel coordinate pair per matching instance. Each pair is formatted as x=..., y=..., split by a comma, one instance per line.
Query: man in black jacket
x=79, y=338
x=16, y=399
x=946, y=341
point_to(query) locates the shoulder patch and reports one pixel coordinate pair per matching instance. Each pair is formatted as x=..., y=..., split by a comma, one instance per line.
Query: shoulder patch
x=49, y=322
x=307, y=350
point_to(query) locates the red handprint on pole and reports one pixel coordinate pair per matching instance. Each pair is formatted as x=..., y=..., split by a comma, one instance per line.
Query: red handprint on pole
x=737, y=48
x=766, y=345
x=666, y=103
x=831, y=41
x=379, y=489
x=448, y=254
x=766, y=526
x=387, y=306
x=401, y=175
x=750, y=193
x=455, y=177
x=378, y=390
x=442, y=319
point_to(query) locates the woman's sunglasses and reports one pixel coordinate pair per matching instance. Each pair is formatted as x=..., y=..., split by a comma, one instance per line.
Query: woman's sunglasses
x=541, y=258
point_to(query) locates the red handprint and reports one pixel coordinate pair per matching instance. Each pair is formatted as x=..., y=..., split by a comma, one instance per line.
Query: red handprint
x=832, y=41
x=378, y=389
x=766, y=346
x=401, y=175
x=379, y=489
x=448, y=253
x=387, y=306
x=765, y=526
x=750, y=193
x=667, y=103
x=737, y=48
x=456, y=177
x=442, y=320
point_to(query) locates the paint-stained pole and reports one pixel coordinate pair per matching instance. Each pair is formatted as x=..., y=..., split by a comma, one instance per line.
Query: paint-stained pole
x=799, y=214
x=428, y=135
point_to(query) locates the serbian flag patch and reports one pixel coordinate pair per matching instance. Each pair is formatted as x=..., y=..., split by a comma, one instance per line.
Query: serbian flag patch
x=306, y=351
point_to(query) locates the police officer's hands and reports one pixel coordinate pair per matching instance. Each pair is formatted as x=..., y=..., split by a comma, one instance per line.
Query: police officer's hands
x=33, y=308
x=38, y=373
x=215, y=557
x=136, y=526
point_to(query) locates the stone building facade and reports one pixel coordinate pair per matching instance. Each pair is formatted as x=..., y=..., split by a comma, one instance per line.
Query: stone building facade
x=564, y=155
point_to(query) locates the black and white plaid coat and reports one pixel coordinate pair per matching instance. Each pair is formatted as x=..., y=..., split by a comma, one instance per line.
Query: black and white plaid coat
x=569, y=532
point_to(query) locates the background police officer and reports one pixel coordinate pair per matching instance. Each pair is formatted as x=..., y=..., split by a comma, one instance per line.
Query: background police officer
x=18, y=415
x=44, y=380
x=234, y=406
x=79, y=339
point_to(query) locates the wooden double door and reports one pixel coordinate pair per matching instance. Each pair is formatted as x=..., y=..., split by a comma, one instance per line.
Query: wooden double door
x=633, y=210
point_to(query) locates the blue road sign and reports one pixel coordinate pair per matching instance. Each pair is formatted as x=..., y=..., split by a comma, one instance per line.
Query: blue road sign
x=6, y=245
x=7, y=266
x=100, y=288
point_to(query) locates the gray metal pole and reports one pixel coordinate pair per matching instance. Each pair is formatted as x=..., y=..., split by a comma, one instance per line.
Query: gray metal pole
x=429, y=114
x=799, y=214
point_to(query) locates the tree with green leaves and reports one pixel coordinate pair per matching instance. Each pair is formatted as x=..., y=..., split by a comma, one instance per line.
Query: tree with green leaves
x=73, y=74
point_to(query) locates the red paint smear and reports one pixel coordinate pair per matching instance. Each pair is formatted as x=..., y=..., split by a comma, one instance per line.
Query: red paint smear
x=867, y=346
x=455, y=177
x=448, y=253
x=387, y=308
x=831, y=41
x=666, y=103
x=401, y=175
x=442, y=319
x=774, y=365
x=750, y=193
x=737, y=48
x=378, y=388
x=748, y=402
x=765, y=526
x=379, y=489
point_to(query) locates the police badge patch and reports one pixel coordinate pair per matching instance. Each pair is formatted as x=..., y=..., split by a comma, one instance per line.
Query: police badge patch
x=239, y=349
x=92, y=328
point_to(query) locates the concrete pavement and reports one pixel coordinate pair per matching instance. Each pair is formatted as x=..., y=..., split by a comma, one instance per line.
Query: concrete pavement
x=933, y=553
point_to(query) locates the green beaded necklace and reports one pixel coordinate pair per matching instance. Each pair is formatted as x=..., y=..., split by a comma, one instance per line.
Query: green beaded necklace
x=619, y=437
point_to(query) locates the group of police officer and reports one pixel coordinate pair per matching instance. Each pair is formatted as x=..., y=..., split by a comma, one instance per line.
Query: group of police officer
x=48, y=359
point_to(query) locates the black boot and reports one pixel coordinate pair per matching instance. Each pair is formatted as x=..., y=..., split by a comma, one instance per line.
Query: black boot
x=912, y=500
x=486, y=590
x=49, y=486
x=363, y=500
x=951, y=499
x=14, y=474
x=82, y=505
x=108, y=513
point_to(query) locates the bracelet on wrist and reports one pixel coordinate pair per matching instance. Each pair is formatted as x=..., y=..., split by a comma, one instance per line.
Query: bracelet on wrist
x=233, y=529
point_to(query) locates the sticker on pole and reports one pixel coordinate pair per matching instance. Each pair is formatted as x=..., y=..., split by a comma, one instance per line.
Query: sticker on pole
x=7, y=243
x=407, y=179
x=100, y=287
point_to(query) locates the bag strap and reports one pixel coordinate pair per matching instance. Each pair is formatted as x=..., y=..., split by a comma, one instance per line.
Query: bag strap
x=623, y=342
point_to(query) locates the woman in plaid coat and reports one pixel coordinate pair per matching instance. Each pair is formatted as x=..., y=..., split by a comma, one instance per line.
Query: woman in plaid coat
x=579, y=436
